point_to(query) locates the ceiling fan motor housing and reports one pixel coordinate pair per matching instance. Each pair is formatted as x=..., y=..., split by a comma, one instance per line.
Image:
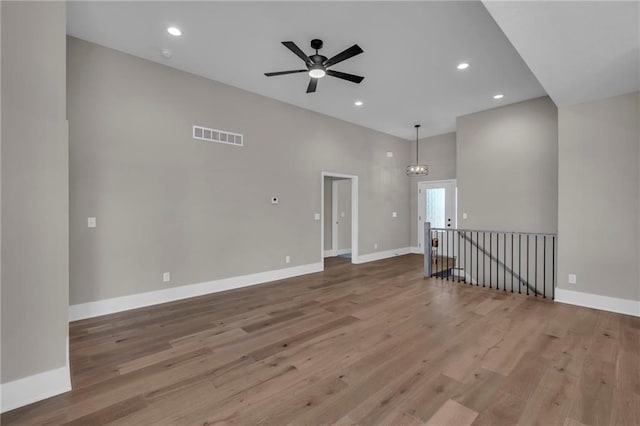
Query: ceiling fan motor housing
x=316, y=44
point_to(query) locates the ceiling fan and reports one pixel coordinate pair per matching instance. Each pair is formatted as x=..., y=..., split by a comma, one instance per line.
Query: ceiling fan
x=317, y=65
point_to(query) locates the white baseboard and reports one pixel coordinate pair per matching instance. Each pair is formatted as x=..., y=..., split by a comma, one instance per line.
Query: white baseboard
x=35, y=388
x=328, y=253
x=416, y=250
x=134, y=301
x=364, y=258
x=596, y=301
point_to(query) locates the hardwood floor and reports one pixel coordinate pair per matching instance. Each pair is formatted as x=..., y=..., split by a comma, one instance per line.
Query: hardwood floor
x=358, y=344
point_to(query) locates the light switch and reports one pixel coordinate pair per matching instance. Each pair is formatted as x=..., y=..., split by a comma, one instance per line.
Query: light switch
x=316, y=216
x=91, y=222
x=464, y=215
x=341, y=214
x=394, y=214
x=389, y=154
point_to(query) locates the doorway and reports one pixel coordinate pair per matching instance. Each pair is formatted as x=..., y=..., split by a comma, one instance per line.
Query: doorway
x=339, y=216
x=436, y=204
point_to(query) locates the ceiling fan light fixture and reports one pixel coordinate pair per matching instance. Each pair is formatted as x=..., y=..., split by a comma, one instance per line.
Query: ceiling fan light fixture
x=317, y=71
x=417, y=169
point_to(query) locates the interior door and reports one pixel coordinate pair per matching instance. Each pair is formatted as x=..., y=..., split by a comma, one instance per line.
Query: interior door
x=437, y=204
x=342, y=216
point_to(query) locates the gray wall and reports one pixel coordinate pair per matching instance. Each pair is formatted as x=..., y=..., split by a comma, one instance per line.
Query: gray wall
x=439, y=153
x=35, y=252
x=167, y=203
x=507, y=167
x=599, y=188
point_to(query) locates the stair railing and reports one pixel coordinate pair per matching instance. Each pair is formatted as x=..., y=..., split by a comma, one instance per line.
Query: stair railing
x=505, y=260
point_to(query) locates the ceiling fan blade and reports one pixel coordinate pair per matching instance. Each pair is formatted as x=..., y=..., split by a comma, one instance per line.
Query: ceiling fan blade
x=346, y=54
x=298, y=52
x=271, y=74
x=313, y=82
x=343, y=75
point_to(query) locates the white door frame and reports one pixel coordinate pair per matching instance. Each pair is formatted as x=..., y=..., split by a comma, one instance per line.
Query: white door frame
x=422, y=185
x=354, y=214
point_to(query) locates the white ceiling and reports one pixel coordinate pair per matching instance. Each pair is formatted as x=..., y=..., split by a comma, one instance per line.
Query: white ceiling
x=580, y=51
x=411, y=50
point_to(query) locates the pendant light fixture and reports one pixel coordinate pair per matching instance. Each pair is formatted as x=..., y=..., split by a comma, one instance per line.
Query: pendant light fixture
x=417, y=169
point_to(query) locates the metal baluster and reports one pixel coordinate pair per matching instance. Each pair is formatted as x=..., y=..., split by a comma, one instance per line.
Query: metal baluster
x=544, y=268
x=434, y=258
x=497, y=264
x=490, y=251
x=428, y=255
x=536, y=271
x=553, y=272
x=484, y=258
x=440, y=249
x=553, y=269
x=497, y=261
x=458, y=258
x=504, y=263
x=477, y=258
x=519, y=263
x=471, y=258
x=466, y=260
x=512, y=263
x=527, y=264
x=447, y=254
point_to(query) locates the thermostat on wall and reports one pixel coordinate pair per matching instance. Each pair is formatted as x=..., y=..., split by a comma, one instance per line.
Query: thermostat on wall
x=274, y=200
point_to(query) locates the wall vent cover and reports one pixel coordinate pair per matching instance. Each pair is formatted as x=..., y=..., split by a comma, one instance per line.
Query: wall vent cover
x=220, y=136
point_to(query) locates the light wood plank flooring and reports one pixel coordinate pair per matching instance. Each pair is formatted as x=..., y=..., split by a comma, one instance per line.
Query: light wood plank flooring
x=358, y=344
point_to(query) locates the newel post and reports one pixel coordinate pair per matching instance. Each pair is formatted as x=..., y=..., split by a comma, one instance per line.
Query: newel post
x=427, y=249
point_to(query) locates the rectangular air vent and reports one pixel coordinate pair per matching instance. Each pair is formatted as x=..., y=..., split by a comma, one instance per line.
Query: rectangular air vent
x=220, y=136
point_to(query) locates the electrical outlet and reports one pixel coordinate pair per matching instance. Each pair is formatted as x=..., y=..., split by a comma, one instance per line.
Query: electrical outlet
x=91, y=222
x=572, y=278
x=316, y=216
x=375, y=246
x=464, y=215
x=394, y=214
x=166, y=277
x=287, y=259
x=389, y=154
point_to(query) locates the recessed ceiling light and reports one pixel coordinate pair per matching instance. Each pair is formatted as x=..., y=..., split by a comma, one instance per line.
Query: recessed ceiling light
x=463, y=66
x=174, y=31
x=498, y=96
x=358, y=103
